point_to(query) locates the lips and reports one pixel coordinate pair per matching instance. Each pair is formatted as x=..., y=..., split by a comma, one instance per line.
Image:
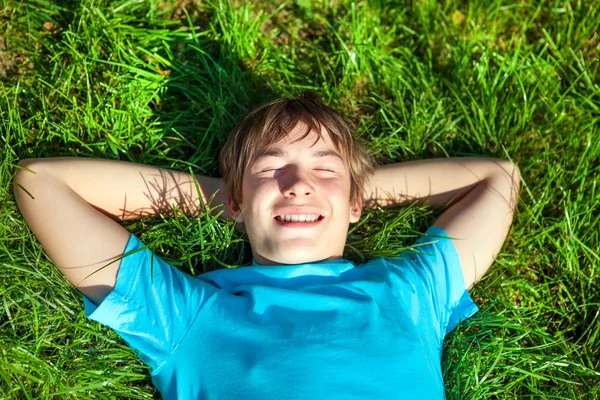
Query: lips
x=298, y=216
x=298, y=224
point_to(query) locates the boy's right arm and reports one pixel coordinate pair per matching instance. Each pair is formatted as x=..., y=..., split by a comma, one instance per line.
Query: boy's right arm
x=73, y=206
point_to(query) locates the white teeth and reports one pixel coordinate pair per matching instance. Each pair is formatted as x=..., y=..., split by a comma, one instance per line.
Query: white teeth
x=298, y=218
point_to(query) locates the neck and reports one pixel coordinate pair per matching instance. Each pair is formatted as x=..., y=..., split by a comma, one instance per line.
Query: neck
x=260, y=260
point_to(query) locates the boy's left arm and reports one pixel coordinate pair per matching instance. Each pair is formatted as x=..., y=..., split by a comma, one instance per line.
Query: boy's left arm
x=479, y=196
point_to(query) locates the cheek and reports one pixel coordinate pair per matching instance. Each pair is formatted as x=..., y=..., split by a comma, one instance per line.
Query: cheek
x=265, y=187
x=252, y=187
x=337, y=188
x=257, y=192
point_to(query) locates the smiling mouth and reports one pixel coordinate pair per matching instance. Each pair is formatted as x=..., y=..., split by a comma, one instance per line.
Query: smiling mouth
x=299, y=219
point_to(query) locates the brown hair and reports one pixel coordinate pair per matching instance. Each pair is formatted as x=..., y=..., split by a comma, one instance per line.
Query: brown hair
x=268, y=123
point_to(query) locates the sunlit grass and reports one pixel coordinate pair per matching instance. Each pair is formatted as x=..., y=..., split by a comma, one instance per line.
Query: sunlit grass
x=157, y=83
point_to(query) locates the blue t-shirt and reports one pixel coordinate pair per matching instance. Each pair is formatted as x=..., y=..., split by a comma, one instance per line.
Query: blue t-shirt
x=326, y=330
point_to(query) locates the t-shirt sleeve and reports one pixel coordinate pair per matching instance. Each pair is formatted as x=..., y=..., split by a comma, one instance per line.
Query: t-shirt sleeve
x=433, y=271
x=152, y=305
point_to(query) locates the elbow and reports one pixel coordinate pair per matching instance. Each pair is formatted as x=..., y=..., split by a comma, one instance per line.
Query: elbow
x=26, y=170
x=511, y=171
x=27, y=165
x=27, y=161
x=506, y=181
x=514, y=168
x=515, y=174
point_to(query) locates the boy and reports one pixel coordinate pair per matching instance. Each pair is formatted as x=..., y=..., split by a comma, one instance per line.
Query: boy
x=300, y=322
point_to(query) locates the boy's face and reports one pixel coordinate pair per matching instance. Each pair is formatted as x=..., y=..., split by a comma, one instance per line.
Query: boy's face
x=297, y=180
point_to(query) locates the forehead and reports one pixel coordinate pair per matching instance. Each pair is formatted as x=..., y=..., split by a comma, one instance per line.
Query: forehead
x=312, y=139
x=297, y=140
x=301, y=140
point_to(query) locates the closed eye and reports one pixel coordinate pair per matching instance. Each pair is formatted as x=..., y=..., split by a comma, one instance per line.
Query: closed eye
x=280, y=169
x=324, y=169
x=271, y=170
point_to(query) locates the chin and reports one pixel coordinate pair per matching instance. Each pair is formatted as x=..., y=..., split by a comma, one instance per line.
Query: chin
x=300, y=255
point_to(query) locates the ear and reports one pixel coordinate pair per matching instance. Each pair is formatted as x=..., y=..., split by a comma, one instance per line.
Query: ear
x=234, y=210
x=355, y=211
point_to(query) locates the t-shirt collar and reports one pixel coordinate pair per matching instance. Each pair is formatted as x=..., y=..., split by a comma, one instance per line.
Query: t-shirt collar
x=324, y=262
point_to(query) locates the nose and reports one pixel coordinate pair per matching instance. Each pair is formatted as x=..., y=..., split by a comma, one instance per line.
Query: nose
x=296, y=183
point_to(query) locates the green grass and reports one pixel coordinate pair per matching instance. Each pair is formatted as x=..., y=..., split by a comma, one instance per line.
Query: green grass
x=162, y=83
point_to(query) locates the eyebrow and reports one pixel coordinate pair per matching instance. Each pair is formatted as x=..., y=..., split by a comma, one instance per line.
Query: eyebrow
x=277, y=152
